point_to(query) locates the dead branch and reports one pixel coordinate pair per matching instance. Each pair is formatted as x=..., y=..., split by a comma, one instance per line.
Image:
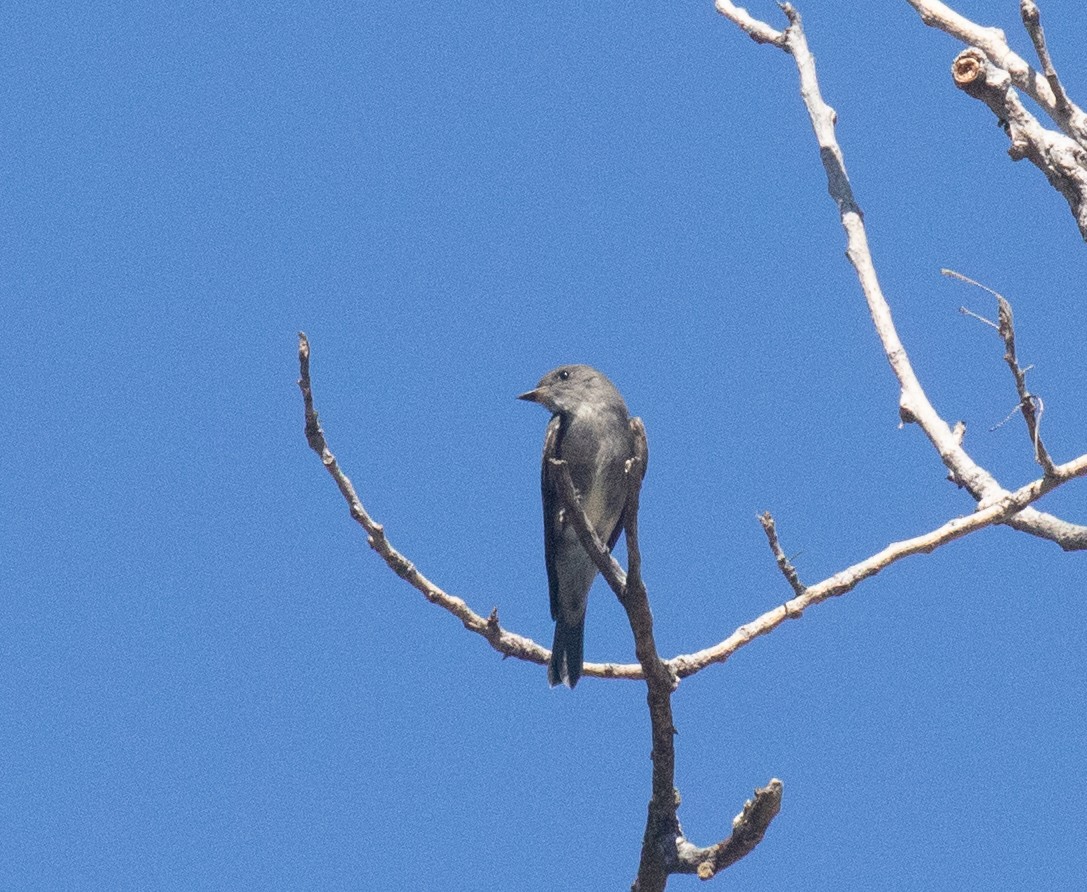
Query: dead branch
x=665, y=850
x=988, y=514
x=1070, y=119
x=1059, y=157
x=1032, y=21
x=1030, y=405
x=914, y=405
x=784, y=564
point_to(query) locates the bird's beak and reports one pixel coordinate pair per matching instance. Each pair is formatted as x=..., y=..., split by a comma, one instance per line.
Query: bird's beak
x=533, y=396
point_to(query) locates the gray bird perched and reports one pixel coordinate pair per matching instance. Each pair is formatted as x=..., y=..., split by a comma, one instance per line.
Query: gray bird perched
x=590, y=431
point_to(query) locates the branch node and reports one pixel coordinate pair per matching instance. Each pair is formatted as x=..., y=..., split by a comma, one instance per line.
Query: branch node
x=958, y=432
x=968, y=66
x=906, y=415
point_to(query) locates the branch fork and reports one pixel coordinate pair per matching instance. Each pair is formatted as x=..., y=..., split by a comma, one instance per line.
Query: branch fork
x=991, y=72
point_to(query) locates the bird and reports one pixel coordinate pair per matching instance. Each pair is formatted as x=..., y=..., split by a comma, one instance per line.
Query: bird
x=590, y=430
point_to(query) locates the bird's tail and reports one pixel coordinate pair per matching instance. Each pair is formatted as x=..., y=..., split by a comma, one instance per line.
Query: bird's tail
x=566, y=654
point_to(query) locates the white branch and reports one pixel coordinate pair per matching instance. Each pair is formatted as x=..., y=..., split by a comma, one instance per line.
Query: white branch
x=847, y=579
x=992, y=42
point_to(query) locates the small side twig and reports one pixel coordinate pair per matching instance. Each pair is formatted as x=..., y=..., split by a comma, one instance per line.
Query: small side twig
x=1030, y=405
x=784, y=564
x=1032, y=21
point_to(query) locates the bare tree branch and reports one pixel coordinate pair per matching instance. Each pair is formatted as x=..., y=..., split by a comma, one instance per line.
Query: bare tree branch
x=987, y=514
x=988, y=70
x=758, y=31
x=1059, y=157
x=914, y=406
x=505, y=642
x=992, y=42
x=665, y=850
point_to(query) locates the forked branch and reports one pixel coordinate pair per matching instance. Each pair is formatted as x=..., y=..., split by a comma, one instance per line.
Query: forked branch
x=665, y=850
x=914, y=406
x=989, y=73
x=1030, y=405
x=1068, y=117
x=1059, y=157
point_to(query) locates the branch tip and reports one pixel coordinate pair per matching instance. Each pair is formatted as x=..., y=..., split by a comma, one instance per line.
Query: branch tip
x=783, y=562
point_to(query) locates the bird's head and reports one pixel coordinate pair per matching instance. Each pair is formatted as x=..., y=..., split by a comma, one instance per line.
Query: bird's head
x=568, y=387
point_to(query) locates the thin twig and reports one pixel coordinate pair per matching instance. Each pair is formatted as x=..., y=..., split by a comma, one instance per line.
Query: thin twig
x=1030, y=405
x=955, y=274
x=968, y=312
x=1032, y=21
x=784, y=564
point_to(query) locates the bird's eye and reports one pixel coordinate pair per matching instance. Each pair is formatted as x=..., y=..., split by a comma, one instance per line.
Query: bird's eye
x=564, y=374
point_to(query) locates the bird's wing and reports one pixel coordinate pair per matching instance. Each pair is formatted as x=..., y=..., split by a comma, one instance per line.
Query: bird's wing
x=635, y=424
x=614, y=537
x=552, y=508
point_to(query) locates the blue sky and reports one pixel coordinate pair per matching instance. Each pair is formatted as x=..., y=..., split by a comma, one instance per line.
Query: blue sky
x=210, y=682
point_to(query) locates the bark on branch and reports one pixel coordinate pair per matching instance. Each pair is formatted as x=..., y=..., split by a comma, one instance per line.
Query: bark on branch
x=1068, y=117
x=1059, y=157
